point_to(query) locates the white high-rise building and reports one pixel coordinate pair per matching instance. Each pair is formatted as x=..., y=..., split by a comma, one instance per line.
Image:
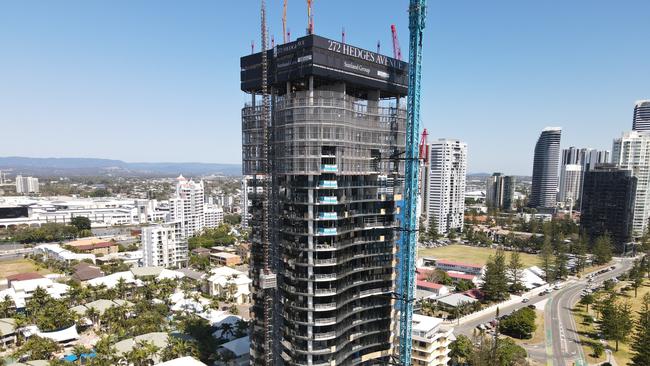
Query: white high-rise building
x=445, y=201
x=164, y=246
x=26, y=185
x=187, y=206
x=213, y=216
x=431, y=341
x=632, y=151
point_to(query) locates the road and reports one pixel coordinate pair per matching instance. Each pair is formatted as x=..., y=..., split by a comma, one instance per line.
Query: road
x=562, y=346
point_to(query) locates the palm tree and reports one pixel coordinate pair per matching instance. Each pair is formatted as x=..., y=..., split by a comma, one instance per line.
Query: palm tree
x=142, y=353
x=79, y=350
x=105, y=352
x=226, y=328
x=121, y=288
x=93, y=315
x=178, y=348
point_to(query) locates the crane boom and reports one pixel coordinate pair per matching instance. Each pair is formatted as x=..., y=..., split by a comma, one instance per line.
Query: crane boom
x=310, y=18
x=397, y=51
x=407, y=250
x=284, y=22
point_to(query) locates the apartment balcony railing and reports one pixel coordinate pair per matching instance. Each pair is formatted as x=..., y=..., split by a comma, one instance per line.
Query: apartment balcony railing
x=327, y=184
x=329, y=168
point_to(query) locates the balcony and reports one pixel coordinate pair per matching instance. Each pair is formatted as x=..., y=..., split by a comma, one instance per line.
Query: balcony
x=327, y=184
x=329, y=168
x=328, y=200
x=327, y=231
x=328, y=215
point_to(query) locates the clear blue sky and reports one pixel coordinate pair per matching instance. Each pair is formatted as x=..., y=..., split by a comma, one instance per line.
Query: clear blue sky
x=152, y=80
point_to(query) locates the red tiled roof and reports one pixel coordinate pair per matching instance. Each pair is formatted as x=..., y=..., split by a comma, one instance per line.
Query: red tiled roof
x=105, y=244
x=461, y=276
x=24, y=276
x=429, y=285
x=422, y=273
x=452, y=263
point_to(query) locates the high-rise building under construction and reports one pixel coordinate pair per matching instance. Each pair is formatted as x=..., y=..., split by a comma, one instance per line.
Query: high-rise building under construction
x=323, y=145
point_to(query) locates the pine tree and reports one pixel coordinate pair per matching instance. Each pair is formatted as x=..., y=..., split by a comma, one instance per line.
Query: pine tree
x=641, y=340
x=616, y=320
x=580, y=251
x=603, y=249
x=495, y=279
x=515, y=272
x=546, y=259
x=561, y=263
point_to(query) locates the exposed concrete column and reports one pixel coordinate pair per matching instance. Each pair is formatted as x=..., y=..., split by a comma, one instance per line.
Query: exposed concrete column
x=311, y=90
x=310, y=267
x=373, y=101
x=253, y=95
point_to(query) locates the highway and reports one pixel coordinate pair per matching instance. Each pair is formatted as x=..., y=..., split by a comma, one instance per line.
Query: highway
x=561, y=346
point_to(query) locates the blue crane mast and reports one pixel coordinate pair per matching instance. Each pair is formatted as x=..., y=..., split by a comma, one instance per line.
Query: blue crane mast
x=408, y=247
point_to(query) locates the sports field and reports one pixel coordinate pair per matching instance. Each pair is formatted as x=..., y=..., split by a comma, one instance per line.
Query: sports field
x=471, y=255
x=16, y=266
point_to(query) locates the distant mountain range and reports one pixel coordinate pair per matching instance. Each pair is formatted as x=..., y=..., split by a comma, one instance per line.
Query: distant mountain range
x=108, y=167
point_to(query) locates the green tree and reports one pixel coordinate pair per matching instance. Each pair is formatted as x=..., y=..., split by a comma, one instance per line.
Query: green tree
x=561, y=262
x=37, y=348
x=460, y=350
x=616, y=320
x=546, y=260
x=439, y=276
x=641, y=339
x=495, y=279
x=580, y=251
x=520, y=324
x=603, y=249
x=142, y=353
x=81, y=223
x=516, y=272
x=79, y=350
x=464, y=285
x=179, y=348
x=597, y=348
x=587, y=300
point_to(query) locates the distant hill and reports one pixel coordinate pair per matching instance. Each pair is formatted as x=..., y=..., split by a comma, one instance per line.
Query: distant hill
x=101, y=167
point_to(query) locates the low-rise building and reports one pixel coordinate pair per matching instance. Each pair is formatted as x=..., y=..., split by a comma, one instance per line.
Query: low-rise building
x=236, y=352
x=224, y=259
x=428, y=290
x=469, y=268
x=431, y=341
x=56, y=252
x=22, y=287
x=85, y=272
x=230, y=283
x=98, y=249
x=7, y=332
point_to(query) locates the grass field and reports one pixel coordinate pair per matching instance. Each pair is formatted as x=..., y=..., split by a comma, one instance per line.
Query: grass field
x=473, y=255
x=588, y=332
x=16, y=266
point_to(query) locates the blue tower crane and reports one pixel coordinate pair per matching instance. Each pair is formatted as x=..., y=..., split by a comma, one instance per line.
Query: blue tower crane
x=408, y=247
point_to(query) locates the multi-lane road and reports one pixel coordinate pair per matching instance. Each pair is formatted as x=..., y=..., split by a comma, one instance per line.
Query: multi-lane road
x=562, y=345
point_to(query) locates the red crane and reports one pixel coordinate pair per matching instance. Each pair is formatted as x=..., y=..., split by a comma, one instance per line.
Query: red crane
x=424, y=147
x=397, y=51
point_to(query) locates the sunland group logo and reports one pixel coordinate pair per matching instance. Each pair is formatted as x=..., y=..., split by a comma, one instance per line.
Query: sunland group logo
x=357, y=67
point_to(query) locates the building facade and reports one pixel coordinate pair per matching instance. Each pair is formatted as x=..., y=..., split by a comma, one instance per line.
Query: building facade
x=447, y=180
x=26, y=185
x=632, y=152
x=575, y=162
x=213, y=216
x=545, y=170
x=187, y=206
x=500, y=192
x=608, y=203
x=333, y=188
x=431, y=341
x=164, y=246
x=641, y=118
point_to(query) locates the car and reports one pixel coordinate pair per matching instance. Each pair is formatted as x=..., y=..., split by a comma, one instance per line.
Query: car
x=524, y=300
x=531, y=306
x=612, y=267
x=557, y=287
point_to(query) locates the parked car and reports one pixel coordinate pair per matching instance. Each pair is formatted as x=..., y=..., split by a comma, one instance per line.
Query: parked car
x=531, y=306
x=525, y=300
